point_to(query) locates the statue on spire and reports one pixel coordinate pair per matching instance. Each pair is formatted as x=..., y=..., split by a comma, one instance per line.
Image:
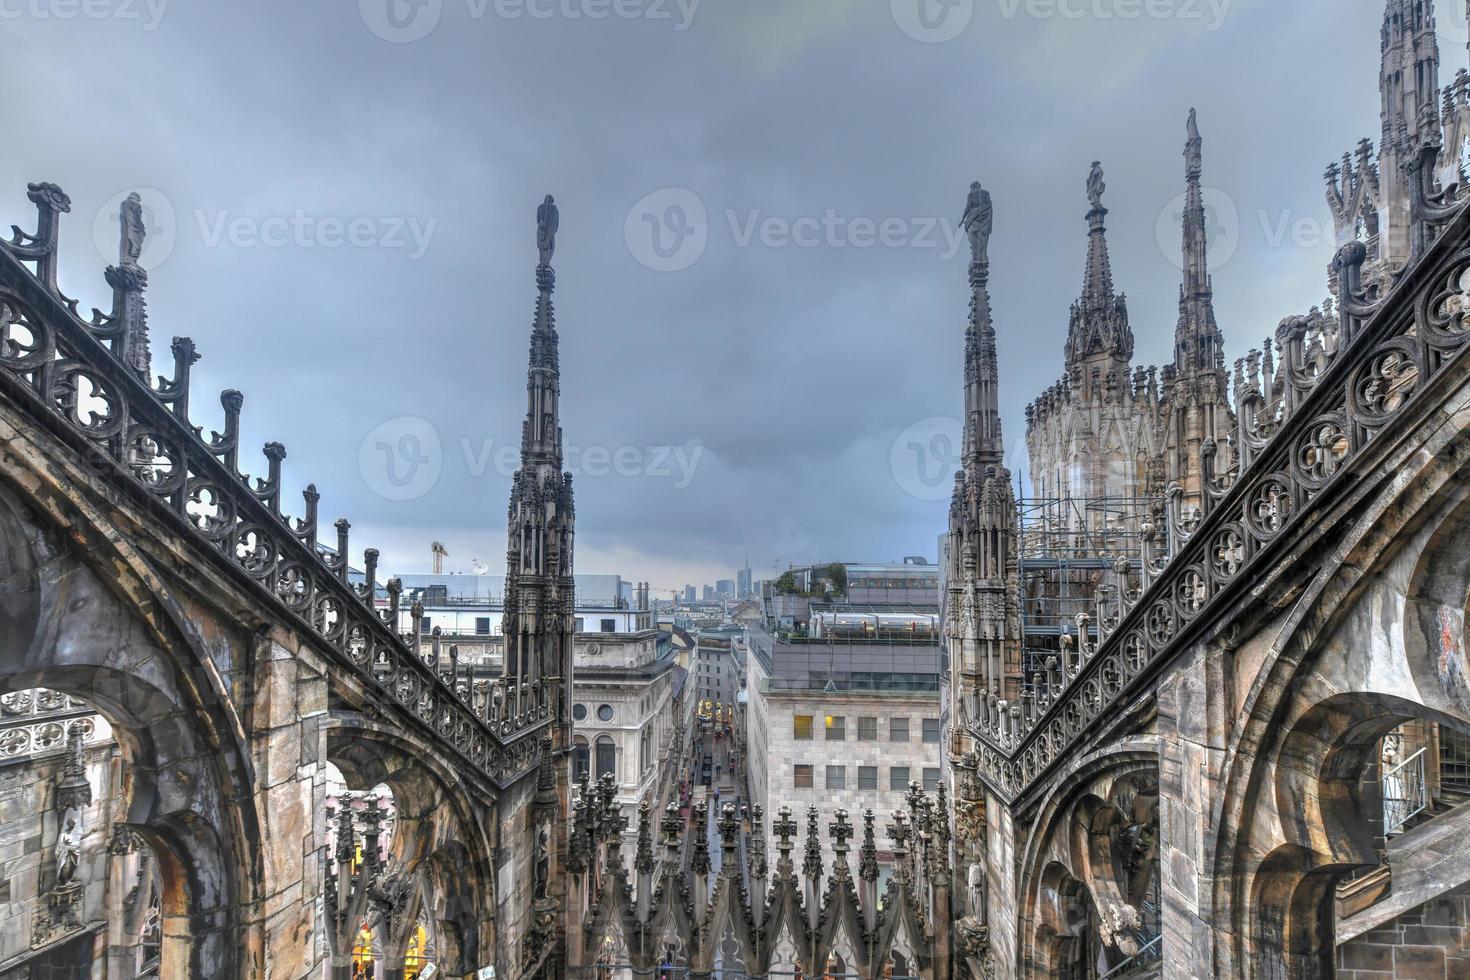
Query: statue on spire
x=130, y=217
x=1193, y=156
x=1095, y=185
x=977, y=223
x=548, y=217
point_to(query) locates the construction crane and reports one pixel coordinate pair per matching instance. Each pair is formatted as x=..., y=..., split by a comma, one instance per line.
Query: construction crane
x=440, y=553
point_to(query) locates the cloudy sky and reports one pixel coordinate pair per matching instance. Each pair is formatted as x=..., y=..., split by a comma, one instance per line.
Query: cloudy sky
x=761, y=298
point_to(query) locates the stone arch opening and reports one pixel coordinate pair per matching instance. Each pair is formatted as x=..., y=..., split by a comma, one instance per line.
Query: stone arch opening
x=1090, y=866
x=175, y=825
x=432, y=887
x=1328, y=799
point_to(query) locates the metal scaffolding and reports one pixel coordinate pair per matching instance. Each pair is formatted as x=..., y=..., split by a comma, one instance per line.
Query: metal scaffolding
x=1067, y=556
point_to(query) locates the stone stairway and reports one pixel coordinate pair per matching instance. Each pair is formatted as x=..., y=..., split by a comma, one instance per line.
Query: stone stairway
x=1425, y=861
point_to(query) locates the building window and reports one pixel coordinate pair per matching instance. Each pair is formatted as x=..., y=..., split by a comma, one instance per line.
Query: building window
x=931, y=731
x=867, y=777
x=605, y=712
x=581, y=624
x=867, y=729
x=609, y=625
x=898, y=779
x=801, y=728
x=931, y=779
x=607, y=757
x=482, y=625
x=579, y=712
x=581, y=758
x=803, y=777
x=426, y=625
x=898, y=729
x=836, y=777
x=836, y=728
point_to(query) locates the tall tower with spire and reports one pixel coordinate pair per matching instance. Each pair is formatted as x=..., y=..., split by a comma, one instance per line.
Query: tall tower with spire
x=1099, y=340
x=539, y=619
x=982, y=627
x=1408, y=83
x=1199, y=409
x=1092, y=434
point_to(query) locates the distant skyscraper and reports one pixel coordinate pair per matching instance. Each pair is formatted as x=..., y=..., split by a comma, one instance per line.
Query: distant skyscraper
x=725, y=587
x=709, y=593
x=743, y=586
x=689, y=595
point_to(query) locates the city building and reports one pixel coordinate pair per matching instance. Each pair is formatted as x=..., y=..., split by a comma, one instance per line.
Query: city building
x=843, y=690
x=1245, y=756
x=725, y=588
x=744, y=586
x=717, y=671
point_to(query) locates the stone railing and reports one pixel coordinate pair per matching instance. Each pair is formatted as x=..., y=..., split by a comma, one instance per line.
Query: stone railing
x=1339, y=381
x=88, y=379
x=37, y=721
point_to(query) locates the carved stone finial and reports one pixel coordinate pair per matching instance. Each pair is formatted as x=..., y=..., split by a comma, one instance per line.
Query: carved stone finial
x=868, y=860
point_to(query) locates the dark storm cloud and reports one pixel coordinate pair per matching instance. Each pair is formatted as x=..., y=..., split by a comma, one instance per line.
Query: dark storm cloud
x=345, y=225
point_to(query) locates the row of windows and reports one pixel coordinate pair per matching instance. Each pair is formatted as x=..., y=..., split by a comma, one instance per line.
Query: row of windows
x=604, y=712
x=482, y=625
x=803, y=727
x=867, y=777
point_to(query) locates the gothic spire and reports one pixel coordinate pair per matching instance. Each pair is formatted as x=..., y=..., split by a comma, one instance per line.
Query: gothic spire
x=1198, y=345
x=541, y=438
x=538, y=619
x=1099, y=336
x=983, y=442
x=1408, y=81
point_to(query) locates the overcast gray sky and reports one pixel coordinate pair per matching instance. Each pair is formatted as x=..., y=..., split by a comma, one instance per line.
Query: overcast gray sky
x=344, y=198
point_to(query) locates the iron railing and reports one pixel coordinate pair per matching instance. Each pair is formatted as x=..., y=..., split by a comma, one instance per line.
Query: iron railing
x=1405, y=794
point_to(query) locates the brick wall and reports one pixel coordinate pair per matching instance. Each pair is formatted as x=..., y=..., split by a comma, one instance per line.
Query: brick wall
x=1429, y=942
